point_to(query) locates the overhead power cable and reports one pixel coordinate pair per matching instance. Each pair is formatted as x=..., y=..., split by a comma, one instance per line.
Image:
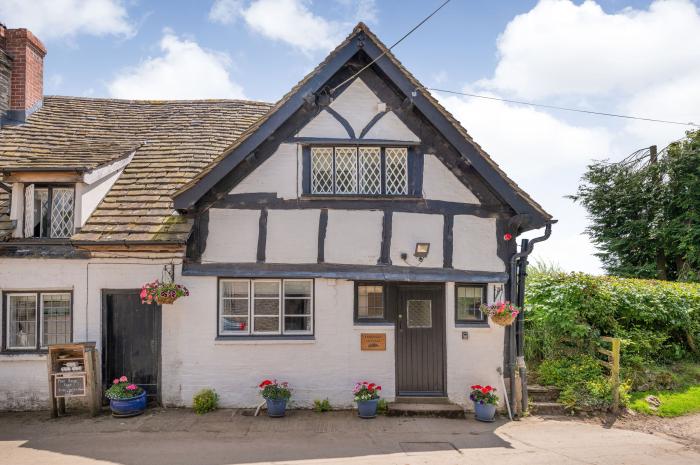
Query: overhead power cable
x=553, y=107
x=389, y=49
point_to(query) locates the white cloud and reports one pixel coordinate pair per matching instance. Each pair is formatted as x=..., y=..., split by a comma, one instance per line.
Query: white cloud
x=184, y=71
x=292, y=21
x=560, y=48
x=51, y=19
x=225, y=11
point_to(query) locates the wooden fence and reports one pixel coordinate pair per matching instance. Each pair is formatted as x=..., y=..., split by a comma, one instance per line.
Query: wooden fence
x=613, y=364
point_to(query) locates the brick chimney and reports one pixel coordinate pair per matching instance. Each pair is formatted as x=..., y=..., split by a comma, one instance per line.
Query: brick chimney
x=26, y=74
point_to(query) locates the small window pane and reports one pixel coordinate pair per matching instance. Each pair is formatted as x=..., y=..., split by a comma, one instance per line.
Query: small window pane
x=419, y=314
x=234, y=289
x=231, y=324
x=396, y=171
x=61, y=212
x=295, y=323
x=22, y=321
x=469, y=300
x=297, y=288
x=370, y=302
x=56, y=318
x=270, y=289
x=370, y=170
x=322, y=170
x=266, y=324
x=268, y=307
x=346, y=170
x=41, y=212
x=234, y=307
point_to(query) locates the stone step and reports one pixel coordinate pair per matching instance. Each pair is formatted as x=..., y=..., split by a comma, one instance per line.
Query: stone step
x=547, y=408
x=538, y=393
x=410, y=409
x=422, y=400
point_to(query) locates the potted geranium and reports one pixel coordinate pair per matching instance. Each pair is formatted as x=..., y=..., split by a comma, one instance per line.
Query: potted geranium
x=276, y=396
x=485, y=401
x=367, y=398
x=162, y=293
x=126, y=399
x=501, y=313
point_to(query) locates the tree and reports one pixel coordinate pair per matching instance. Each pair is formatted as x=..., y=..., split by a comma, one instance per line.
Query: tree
x=645, y=211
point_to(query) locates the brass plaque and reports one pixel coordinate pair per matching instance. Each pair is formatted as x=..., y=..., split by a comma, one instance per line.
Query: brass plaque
x=373, y=341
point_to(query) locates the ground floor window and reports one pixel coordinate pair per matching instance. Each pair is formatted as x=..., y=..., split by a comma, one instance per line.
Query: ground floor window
x=35, y=320
x=370, y=302
x=468, y=304
x=265, y=307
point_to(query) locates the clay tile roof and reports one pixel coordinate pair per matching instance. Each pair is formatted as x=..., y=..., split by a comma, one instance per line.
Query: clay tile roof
x=174, y=140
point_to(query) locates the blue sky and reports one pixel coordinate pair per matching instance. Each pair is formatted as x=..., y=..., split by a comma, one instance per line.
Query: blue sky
x=631, y=57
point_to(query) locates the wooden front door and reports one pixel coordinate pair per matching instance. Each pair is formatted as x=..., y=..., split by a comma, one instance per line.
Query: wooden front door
x=131, y=340
x=420, y=340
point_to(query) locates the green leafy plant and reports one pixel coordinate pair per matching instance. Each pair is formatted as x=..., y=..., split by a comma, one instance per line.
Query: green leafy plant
x=122, y=389
x=382, y=407
x=321, y=406
x=365, y=390
x=275, y=391
x=205, y=401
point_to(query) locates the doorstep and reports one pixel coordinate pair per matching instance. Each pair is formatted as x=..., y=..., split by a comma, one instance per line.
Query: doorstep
x=425, y=407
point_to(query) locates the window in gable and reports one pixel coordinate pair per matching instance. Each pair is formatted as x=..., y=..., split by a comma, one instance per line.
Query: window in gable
x=48, y=211
x=359, y=170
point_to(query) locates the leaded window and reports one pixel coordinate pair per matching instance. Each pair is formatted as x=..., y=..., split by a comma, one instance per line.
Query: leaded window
x=48, y=211
x=36, y=320
x=265, y=307
x=359, y=170
x=469, y=299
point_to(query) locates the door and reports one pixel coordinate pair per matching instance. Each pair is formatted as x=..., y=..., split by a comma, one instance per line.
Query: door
x=420, y=341
x=131, y=340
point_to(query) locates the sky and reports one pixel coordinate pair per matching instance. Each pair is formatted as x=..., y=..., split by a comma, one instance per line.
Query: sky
x=632, y=57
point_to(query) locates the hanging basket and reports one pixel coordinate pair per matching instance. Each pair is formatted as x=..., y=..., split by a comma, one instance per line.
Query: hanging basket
x=503, y=319
x=162, y=293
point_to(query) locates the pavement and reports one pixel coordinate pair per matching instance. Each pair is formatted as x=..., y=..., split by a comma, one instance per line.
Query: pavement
x=228, y=437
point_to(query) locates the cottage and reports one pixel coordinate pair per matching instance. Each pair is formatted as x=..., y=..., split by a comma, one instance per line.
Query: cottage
x=350, y=231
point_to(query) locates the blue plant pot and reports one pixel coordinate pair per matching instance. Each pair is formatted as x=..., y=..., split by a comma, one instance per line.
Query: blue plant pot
x=276, y=407
x=485, y=412
x=367, y=408
x=128, y=407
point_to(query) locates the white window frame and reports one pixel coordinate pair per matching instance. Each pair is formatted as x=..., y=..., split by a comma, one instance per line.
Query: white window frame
x=39, y=306
x=311, y=302
x=250, y=328
x=28, y=213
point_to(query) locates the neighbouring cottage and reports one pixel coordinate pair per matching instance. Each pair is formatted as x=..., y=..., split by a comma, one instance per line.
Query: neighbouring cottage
x=355, y=208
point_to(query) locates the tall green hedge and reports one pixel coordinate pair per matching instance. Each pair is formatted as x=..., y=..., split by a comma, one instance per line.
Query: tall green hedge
x=658, y=321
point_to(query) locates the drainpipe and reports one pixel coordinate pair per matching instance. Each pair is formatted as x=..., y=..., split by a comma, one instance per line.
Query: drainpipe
x=516, y=352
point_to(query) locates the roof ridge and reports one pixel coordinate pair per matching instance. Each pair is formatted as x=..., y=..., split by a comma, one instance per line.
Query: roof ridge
x=155, y=101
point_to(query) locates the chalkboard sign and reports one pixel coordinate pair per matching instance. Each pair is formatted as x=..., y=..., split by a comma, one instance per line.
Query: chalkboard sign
x=70, y=386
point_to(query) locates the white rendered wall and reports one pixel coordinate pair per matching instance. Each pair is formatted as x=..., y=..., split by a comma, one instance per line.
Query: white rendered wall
x=390, y=127
x=357, y=104
x=324, y=125
x=411, y=228
x=353, y=237
x=89, y=196
x=475, y=244
x=439, y=183
x=277, y=174
x=292, y=236
x=233, y=236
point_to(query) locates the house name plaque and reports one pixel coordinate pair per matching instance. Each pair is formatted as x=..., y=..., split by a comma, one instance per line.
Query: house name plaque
x=372, y=341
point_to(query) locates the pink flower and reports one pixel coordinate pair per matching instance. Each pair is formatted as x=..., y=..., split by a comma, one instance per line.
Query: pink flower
x=131, y=387
x=123, y=379
x=115, y=381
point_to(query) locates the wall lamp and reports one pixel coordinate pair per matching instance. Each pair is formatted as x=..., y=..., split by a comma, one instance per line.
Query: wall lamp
x=422, y=249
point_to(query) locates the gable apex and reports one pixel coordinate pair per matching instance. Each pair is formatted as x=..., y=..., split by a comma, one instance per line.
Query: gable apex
x=314, y=85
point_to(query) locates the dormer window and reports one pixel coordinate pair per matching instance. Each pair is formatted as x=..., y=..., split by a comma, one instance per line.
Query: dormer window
x=359, y=170
x=48, y=210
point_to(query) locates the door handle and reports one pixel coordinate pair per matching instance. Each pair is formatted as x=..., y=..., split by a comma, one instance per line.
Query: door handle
x=400, y=322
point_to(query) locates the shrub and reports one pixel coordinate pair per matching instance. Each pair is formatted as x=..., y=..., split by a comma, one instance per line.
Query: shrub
x=658, y=321
x=205, y=401
x=322, y=405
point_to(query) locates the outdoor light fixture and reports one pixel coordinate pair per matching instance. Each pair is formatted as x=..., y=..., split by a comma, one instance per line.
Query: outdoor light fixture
x=422, y=249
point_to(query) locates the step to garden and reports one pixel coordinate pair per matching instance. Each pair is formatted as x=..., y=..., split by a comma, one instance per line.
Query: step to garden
x=547, y=408
x=537, y=393
x=411, y=409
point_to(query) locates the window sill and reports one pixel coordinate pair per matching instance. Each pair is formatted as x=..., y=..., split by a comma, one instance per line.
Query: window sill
x=362, y=325
x=484, y=325
x=264, y=340
x=22, y=356
x=370, y=197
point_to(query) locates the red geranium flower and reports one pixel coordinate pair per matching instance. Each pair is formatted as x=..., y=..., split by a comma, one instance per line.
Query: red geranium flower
x=266, y=382
x=507, y=236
